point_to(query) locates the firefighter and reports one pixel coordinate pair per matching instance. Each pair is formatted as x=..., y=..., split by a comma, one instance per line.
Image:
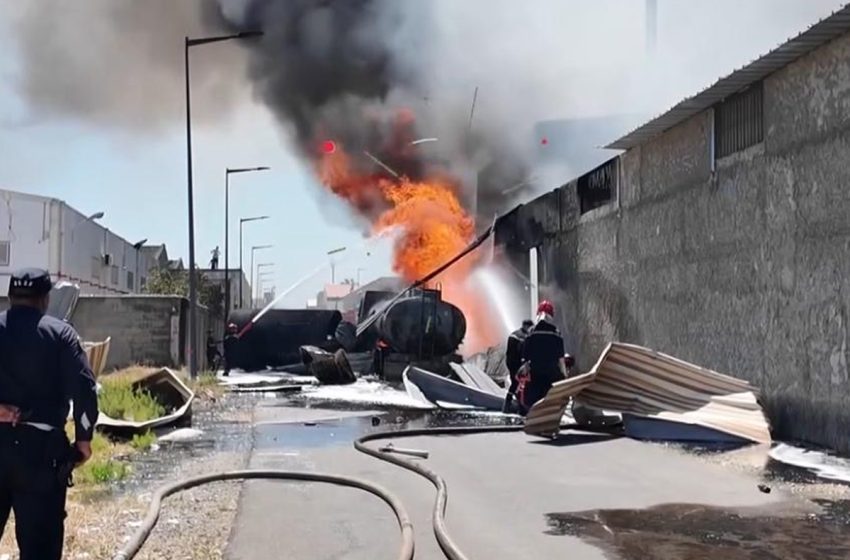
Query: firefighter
x=230, y=340
x=513, y=361
x=212, y=350
x=543, y=354
x=42, y=368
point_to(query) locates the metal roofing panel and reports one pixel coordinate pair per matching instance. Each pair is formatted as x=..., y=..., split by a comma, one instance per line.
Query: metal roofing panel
x=815, y=36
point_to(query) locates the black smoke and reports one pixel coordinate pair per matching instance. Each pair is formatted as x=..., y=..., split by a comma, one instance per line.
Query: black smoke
x=328, y=68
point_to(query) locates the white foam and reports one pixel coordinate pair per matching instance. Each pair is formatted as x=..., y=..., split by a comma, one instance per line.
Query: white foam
x=240, y=379
x=822, y=464
x=365, y=392
x=181, y=434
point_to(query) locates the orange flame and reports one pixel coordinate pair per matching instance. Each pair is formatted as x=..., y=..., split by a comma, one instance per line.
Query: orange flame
x=434, y=228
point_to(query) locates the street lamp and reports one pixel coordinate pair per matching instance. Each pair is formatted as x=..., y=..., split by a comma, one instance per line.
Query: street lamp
x=227, y=173
x=255, y=248
x=241, y=222
x=259, y=266
x=333, y=265
x=138, y=247
x=193, y=288
x=261, y=282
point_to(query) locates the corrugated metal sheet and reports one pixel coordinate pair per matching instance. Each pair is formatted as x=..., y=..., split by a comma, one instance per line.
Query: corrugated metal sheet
x=817, y=35
x=637, y=380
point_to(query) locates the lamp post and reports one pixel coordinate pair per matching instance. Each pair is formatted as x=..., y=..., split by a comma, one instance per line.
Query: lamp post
x=91, y=218
x=227, y=173
x=138, y=247
x=193, y=287
x=333, y=265
x=261, y=283
x=255, y=248
x=241, y=274
x=259, y=266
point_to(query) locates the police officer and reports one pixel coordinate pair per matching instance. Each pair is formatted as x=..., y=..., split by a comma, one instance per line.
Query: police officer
x=543, y=349
x=513, y=360
x=42, y=368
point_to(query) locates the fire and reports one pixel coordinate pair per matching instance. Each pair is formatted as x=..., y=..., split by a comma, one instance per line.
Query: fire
x=434, y=228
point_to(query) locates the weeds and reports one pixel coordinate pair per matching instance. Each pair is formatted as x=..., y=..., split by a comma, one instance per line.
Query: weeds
x=118, y=399
x=143, y=442
x=105, y=464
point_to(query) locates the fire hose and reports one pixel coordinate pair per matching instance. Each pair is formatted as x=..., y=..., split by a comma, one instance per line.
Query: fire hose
x=450, y=548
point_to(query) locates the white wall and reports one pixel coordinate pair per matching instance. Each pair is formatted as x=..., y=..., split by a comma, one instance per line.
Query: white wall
x=47, y=233
x=84, y=243
x=25, y=225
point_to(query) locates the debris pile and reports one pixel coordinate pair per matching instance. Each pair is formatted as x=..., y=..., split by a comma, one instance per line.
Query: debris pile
x=660, y=397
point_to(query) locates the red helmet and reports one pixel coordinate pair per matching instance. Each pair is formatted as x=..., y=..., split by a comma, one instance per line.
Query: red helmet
x=232, y=327
x=546, y=307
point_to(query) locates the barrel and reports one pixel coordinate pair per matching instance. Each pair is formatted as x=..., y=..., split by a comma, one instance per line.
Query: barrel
x=423, y=325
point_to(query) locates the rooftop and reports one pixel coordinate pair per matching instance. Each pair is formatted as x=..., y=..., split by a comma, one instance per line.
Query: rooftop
x=815, y=36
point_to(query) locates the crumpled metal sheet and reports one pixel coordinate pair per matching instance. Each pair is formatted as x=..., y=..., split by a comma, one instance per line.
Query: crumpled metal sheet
x=634, y=380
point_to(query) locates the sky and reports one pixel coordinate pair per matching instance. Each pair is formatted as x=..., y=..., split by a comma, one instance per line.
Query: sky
x=138, y=178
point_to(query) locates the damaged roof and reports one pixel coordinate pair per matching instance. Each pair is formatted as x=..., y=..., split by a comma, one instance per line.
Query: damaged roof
x=815, y=36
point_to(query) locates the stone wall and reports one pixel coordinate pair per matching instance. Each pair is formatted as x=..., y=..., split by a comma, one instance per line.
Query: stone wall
x=744, y=268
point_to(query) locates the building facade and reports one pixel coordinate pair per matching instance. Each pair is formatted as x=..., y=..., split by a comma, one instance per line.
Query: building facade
x=37, y=231
x=720, y=235
x=236, y=277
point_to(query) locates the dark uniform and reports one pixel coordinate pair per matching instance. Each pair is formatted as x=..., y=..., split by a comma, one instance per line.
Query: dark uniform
x=231, y=339
x=542, y=349
x=513, y=361
x=212, y=350
x=42, y=367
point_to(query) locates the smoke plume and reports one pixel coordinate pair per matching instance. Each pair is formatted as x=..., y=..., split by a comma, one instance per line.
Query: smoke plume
x=342, y=69
x=120, y=62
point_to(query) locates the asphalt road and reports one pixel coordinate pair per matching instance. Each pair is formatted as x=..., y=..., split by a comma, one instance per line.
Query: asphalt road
x=501, y=488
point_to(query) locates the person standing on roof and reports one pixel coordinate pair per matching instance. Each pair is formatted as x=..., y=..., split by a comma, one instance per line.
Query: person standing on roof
x=543, y=351
x=513, y=361
x=42, y=368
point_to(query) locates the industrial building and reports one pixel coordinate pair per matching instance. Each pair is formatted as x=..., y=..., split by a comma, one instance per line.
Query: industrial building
x=37, y=231
x=720, y=234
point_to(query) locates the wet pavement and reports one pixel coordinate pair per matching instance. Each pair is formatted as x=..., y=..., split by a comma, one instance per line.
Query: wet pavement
x=696, y=532
x=226, y=426
x=668, y=531
x=810, y=529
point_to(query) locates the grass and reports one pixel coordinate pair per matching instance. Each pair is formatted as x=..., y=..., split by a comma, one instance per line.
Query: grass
x=205, y=386
x=143, y=442
x=105, y=464
x=118, y=399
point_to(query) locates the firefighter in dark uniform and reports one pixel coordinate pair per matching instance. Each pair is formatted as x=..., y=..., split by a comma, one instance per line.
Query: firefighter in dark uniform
x=543, y=351
x=513, y=361
x=231, y=339
x=42, y=368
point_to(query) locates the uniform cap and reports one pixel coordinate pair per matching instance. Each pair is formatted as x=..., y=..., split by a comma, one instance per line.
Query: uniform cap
x=30, y=282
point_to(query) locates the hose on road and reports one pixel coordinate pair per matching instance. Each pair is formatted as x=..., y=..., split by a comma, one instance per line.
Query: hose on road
x=406, y=548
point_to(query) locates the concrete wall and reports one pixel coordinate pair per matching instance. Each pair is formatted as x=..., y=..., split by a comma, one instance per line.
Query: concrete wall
x=145, y=329
x=744, y=269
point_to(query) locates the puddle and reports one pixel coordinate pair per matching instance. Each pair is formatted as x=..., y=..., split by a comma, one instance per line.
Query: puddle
x=226, y=427
x=695, y=532
x=343, y=431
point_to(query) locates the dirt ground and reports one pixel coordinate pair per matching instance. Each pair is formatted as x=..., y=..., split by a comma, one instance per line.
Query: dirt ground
x=193, y=525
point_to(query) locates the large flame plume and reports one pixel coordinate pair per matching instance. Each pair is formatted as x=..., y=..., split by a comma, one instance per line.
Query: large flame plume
x=433, y=227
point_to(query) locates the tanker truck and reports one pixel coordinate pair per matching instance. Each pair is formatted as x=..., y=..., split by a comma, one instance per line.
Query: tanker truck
x=417, y=328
